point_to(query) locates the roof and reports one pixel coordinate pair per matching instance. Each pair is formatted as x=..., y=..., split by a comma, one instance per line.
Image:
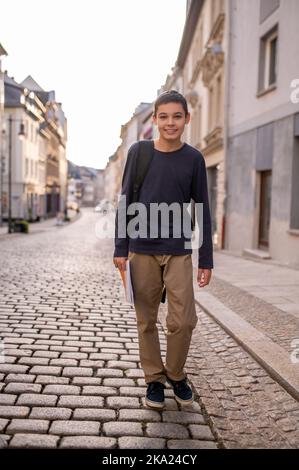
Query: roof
x=12, y=91
x=31, y=84
x=194, y=9
x=2, y=50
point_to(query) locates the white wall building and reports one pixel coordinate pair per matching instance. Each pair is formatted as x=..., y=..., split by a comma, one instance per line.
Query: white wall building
x=263, y=128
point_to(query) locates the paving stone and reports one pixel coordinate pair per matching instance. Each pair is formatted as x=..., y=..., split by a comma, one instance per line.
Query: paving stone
x=3, y=424
x=122, y=429
x=111, y=346
x=72, y=428
x=6, y=399
x=64, y=362
x=49, y=354
x=87, y=381
x=14, y=411
x=32, y=441
x=122, y=402
x=27, y=425
x=74, y=355
x=13, y=368
x=133, y=442
x=133, y=391
x=99, y=390
x=123, y=382
x=70, y=401
x=130, y=357
x=50, y=413
x=62, y=390
x=139, y=415
x=132, y=373
x=45, y=370
x=31, y=399
x=77, y=372
x=3, y=442
x=199, y=431
x=124, y=365
x=190, y=444
x=182, y=417
x=14, y=387
x=103, y=357
x=51, y=379
x=19, y=378
x=109, y=373
x=40, y=361
x=18, y=340
x=167, y=430
x=94, y=414
x=88, y=442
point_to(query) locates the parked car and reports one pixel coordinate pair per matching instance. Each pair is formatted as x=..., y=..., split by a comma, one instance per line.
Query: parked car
x=73, y=206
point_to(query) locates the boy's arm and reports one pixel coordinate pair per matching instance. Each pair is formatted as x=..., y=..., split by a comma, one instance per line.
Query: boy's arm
x=199, y=193
x=122, y=242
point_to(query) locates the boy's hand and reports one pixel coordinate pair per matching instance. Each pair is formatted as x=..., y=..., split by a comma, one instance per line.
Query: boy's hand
x=120, y=263
x=203, y=277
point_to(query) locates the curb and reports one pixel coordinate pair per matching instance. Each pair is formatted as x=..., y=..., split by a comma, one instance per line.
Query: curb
x=275, y=360
x=5, y=236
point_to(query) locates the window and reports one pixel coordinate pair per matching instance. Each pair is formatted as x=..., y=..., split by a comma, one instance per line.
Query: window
x=268, y=60
x=272, y=60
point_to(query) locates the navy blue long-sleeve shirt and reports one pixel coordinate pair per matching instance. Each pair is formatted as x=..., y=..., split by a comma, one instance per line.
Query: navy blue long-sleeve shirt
x=173, y=177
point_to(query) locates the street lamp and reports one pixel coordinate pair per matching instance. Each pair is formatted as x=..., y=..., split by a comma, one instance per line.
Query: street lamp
x=21, y=134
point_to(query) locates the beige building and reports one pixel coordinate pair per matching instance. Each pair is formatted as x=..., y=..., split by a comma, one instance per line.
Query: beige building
x=38, y=160
x=199, y=75
x=3, y=53
x=54, y=130
x=130, y=133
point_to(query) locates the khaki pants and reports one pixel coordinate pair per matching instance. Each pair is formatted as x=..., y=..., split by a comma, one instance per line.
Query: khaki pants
x=148, y=274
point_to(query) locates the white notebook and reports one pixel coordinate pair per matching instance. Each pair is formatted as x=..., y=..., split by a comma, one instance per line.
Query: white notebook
x=129, y=284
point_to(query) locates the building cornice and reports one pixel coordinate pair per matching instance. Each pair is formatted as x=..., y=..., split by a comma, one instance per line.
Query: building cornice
x=189, y=29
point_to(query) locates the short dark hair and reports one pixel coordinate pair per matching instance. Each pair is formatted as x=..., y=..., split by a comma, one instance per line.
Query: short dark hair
x=170, y=96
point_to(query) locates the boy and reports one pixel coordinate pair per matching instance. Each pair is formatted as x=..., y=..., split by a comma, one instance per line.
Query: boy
x=176, y=174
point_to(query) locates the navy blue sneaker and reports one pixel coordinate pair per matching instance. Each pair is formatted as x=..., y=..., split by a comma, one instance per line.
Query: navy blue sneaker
x=182, y=392
x=155, y=395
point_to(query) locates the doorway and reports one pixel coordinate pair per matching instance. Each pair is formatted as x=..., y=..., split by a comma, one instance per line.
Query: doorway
x=265, y=208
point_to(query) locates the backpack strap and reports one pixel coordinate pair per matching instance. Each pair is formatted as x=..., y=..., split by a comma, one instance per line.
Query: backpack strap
x=144, y=157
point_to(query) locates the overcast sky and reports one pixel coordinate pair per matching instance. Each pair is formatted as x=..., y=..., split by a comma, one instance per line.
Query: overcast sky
x=102, y=57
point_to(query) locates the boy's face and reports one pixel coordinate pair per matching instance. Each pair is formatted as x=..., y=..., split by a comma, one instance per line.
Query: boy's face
x=171, y=120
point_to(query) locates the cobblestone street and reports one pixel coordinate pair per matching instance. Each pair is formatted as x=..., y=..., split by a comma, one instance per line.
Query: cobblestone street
x=70, y=375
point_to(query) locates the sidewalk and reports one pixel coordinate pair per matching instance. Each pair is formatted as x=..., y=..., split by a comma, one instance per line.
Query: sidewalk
x=257, y=303
x=39, y=227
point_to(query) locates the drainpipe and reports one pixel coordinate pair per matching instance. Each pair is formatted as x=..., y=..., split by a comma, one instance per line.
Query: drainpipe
x=228, y=34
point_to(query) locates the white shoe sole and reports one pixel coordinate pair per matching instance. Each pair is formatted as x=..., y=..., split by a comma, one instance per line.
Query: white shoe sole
x=154, y=404
x=184, y=402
